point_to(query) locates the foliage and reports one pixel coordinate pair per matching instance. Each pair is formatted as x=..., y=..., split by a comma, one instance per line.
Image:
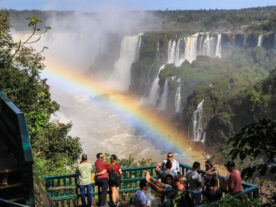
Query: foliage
x=20, y=66
x=256, y=142
x=230, y=201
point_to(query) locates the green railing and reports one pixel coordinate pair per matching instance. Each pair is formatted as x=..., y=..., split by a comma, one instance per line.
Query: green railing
x=64, y=191
x=14, y=134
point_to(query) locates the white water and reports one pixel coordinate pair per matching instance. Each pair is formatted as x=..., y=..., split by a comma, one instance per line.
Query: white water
x=177, y=99
x=155, y=89
x=171, y=51
x=188, y=48
x=260, y=40
x=129, y=53
x=164, y=97
x=218, y=47
x=198, y=132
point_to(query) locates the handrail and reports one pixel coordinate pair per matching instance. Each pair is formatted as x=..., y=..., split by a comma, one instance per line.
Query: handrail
x=129, y=183
x=6, y=203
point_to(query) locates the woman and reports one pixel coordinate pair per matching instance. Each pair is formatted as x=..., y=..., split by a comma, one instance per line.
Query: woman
x=115, y=172
x=211, y=182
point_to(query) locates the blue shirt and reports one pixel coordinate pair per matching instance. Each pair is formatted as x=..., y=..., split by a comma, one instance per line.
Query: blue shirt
x=140, y=199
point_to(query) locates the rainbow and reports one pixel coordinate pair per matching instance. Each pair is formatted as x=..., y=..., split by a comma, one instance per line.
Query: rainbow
x=156, y=126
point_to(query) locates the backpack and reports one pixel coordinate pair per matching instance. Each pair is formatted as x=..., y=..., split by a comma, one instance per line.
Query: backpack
x=113, y=175
x=182, y=200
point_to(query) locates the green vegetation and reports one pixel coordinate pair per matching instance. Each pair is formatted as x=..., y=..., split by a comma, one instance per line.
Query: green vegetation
x=54, y=150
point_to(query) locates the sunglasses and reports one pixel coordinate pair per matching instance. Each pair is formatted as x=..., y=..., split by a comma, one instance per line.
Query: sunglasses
x=170, y=156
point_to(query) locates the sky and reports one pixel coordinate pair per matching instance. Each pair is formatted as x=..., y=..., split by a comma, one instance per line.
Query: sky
x=99, y=5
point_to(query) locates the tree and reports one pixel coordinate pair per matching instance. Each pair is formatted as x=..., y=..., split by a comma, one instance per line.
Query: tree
x=256, y=141
x=20, y=66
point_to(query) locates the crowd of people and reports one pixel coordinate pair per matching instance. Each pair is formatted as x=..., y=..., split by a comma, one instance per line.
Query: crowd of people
x=176, y=190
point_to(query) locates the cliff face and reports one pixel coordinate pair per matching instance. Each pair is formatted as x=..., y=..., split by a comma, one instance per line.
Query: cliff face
x=209, y=66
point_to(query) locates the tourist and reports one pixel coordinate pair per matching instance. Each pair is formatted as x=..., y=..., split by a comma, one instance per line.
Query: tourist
x=195, y=183
x=102, y=178
x=234, y=181
x=211, y=174
x=168, y=171
x=140, y=198
x=84, y=177
x=175, y=164
x=115, y=172
x=213, y=192
x=176, y=196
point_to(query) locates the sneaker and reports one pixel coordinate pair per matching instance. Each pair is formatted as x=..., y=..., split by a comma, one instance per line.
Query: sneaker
x=117, y=203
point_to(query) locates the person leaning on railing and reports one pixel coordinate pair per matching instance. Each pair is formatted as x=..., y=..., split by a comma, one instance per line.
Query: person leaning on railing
x=211, y=191
x=84, y=177
x=234, y=181
x=175, y=164
x=177, y=196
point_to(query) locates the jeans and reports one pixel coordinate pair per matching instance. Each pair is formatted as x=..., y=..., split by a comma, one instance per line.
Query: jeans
x=89, y=195
x=196, y=197
x=103, y=183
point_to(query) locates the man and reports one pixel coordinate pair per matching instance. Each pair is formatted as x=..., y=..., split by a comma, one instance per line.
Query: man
x=167, y=171
x=195, y=183
x=175, y=164
x=102, y=178
x=140, y=198
x=176, y=196
x=85, y=169
x=234, y=182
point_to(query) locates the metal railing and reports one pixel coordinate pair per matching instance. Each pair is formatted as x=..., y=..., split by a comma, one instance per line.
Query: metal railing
x=64, y=191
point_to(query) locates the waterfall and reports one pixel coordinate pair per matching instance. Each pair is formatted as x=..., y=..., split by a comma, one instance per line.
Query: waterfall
x=177, y=98
x=198, y=133
x=164, y=97
x=129, y=53
x=260, y=41
x=218, y=47
x=155, y=89
x=188, y=48
x=171, y=51
x=191, y=48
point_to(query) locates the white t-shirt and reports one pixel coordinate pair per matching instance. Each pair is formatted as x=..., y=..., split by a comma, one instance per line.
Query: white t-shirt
x=175, y=166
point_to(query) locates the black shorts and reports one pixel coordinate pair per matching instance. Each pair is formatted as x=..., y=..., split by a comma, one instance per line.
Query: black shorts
x=116, y=183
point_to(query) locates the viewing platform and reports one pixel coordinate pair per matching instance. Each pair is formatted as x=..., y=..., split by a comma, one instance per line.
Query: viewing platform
x=64, y=191
x=16, y=174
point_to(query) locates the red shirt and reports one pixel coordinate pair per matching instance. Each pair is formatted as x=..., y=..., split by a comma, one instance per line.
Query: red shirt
x=115, y=167
x=100, y=166
x=235, y=181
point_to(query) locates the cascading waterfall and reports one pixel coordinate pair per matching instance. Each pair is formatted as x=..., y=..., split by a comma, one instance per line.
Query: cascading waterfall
x=155, y=89
x=191, y=48
x=129, y=53
x=198, y=132
x=171, y=51
x=188, y=48
x=177, y=99
x=260, y=40
x=164, y=97
x=218, y=47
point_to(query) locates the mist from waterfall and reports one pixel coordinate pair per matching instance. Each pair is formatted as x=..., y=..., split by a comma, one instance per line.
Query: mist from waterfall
x=198, y=132
x=162, y=105
x=260, y=41
x=129, y=53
